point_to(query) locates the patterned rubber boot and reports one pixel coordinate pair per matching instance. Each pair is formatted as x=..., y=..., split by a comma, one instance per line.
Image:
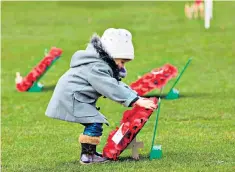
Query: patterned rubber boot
x=89, y=155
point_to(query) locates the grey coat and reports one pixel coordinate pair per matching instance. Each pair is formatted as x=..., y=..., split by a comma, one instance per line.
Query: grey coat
x=92, y=74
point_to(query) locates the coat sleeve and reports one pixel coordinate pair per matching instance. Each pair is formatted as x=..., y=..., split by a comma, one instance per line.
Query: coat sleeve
x=100, y=78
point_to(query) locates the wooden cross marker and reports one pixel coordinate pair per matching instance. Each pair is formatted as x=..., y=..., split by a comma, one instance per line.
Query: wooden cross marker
x=134, y=145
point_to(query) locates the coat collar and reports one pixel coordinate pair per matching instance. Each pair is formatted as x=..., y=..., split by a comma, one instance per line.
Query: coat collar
x=104, y=55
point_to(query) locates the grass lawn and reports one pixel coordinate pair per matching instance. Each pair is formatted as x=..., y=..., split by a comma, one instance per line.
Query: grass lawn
x=197, y=131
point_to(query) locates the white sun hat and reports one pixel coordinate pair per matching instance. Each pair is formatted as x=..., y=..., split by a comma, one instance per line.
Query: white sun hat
x=118, y=43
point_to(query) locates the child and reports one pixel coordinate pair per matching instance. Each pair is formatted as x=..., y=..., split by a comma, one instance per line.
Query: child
x=93, y=73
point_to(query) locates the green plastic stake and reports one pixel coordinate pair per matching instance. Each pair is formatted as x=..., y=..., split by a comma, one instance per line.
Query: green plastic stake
x=37, y=86
x=156, y=150
x=174, y=93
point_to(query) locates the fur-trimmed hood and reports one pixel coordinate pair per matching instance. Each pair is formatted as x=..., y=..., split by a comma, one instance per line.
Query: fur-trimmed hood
x=95, y=52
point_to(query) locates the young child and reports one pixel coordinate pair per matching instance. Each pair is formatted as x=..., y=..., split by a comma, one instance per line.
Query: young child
x=95, y=72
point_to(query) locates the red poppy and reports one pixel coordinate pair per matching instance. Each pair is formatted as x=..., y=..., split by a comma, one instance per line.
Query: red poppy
x=39, y=70
x=132, y=122
x=157, y=78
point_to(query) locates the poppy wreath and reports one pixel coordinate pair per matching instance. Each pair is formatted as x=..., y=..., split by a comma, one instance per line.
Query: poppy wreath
x=132, y=122
x=157, y=78
x=39, y=70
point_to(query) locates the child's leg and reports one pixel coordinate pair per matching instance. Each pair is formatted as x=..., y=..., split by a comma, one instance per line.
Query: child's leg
x=89, y=140
x=94, y=129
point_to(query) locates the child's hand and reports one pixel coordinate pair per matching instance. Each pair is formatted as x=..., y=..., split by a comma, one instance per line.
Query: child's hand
x=146, y=103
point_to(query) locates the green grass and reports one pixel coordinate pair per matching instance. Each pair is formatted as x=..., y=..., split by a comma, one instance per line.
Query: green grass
x=197, y=131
